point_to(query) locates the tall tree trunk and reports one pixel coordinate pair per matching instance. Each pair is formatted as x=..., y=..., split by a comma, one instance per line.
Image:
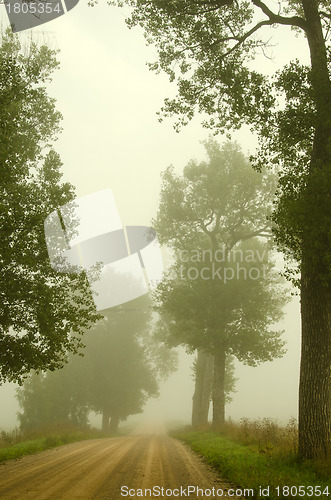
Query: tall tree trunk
x=203, y=386
x=105, y=421
x=218, y=388
x=207, y=389
x=315, y=387
x=314, y=390
x=113, y=426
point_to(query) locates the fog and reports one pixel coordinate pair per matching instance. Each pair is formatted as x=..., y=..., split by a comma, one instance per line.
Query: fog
x=111, y=138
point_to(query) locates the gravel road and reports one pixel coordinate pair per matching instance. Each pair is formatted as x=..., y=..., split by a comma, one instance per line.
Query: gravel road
x=113, y=469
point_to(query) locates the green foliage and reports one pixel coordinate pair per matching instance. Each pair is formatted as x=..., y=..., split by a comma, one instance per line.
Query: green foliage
x=219, y=201
x=207, y=48
x=117, y=368
x=42, y=312
x=238, y=314
x=123, y=361
x=118, y=371
x=213, y=209
x=51, y=398
x=287, y=141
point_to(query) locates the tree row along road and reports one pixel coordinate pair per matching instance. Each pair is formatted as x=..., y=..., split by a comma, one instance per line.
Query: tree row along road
x=97, y=469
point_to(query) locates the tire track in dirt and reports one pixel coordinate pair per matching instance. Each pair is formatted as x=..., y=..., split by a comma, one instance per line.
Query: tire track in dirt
x=60, y=460
x=97, y=470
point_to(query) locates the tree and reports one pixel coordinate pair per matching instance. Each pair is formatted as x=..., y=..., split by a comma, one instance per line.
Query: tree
x=203, y=378
x=207, y=47
x=203, y=374
x=224, y=318
x=42, y=313
x=220, y=293
x=51, y=399
x=118, y=372
x=118, y=364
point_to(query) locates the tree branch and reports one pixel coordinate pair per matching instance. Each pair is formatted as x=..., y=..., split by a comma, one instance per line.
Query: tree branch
x=325, y=14
x=277, y=19
x=259, y=232
x=244, y=37
x=273, y=19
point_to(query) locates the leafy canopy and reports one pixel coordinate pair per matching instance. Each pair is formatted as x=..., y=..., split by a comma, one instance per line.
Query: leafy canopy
x=119, y=371
x=207, y=47
x=42, y=312
x=222, y=288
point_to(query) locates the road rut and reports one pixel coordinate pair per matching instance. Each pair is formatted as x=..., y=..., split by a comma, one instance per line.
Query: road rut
x=99, y=468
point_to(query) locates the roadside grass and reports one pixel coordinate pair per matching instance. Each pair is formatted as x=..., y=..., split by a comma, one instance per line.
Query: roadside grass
x=15, y=444
x=260, y=454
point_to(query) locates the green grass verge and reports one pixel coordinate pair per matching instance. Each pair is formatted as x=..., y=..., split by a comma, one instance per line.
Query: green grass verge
x=247, y=468
x=31, y=446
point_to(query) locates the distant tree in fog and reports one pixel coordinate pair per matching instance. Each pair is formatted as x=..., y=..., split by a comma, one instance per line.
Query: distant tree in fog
x=120, y=369
x=52, y=399
x=215, y=210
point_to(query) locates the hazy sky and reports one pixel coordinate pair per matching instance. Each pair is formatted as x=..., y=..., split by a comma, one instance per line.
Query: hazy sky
x=112, y=138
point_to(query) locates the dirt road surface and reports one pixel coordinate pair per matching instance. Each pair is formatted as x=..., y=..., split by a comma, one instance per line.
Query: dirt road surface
x=99, y=468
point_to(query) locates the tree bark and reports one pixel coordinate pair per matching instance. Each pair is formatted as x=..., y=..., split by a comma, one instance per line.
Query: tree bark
x=207, y=389
x=113, y=426
x=105, y=421
x=314, y=389
x=203, y=387
x=218, y=388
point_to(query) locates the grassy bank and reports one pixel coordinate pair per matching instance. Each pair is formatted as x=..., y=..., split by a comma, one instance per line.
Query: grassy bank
x=15, y=444
x=251, y=466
